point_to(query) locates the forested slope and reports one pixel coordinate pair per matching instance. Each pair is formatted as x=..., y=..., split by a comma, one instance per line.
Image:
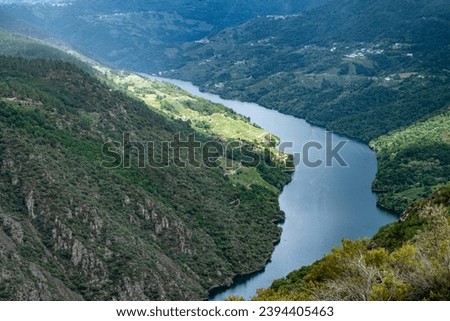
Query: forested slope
x=413, y=162
x=71, y=228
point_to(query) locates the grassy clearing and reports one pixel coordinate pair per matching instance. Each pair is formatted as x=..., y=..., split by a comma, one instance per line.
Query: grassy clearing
x=204, y=116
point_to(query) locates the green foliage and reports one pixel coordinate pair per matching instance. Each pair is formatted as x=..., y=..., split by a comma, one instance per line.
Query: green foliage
x=17, y=45
x=217, y=121
x=413, y=162
x=170, y=233
x=205, y=117
x=235, y=298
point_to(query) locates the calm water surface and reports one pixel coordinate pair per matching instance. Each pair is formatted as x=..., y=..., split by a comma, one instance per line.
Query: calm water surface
x=323, y=205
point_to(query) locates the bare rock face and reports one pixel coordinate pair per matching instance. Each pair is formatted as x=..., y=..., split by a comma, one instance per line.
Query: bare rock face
x=30, y=204
x=86, y=256
x=22, y=280
x=78, y=244
x=15, y=228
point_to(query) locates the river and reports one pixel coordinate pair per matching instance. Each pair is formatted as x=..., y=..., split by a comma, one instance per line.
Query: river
x=323, y=204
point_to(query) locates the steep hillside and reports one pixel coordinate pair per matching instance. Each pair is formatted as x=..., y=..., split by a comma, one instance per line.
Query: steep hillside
x=413, y=162
x=74, y=229
x=17, y=45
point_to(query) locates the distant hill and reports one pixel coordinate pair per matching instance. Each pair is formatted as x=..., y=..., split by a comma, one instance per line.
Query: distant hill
x=139, y=35
x=17, y=45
